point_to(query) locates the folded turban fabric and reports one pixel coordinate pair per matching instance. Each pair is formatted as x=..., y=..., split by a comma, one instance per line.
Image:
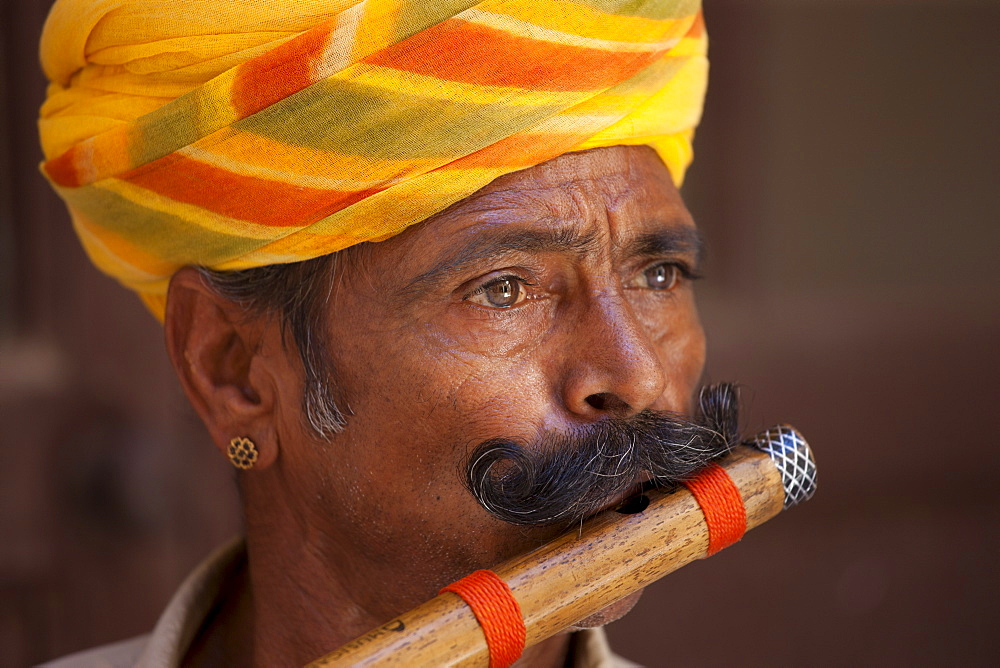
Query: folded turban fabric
x=236, y=134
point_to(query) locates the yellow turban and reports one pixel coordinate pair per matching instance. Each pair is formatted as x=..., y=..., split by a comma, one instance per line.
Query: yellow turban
x=239, y=134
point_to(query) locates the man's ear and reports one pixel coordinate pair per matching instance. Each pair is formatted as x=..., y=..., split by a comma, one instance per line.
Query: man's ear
x=216, y=349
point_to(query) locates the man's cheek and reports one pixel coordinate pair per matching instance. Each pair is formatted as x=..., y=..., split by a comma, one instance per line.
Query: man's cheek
x=687, y=355
x=489, y=333
x=681, y=350
x=507, y=396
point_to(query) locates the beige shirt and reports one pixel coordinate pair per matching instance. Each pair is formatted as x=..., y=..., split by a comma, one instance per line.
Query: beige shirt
x=173, y=634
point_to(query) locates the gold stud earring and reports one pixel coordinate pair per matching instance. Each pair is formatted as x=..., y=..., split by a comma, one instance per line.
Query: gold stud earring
x=242, y=452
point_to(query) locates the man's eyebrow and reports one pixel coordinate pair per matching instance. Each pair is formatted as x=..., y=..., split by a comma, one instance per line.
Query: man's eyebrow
x=676, y=239
x=496, y=244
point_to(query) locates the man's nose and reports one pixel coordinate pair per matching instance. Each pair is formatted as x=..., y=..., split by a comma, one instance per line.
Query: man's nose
x=613, y=367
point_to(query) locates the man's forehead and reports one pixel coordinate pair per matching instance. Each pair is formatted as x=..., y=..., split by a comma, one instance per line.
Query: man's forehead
x=619, y=201
x=624, y=191
x=612, y=173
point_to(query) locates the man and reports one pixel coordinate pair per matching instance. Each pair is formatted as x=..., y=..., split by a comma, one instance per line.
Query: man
x=387, y=240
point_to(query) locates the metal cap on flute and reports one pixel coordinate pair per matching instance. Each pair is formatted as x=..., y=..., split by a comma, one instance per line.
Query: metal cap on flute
x=612, y=555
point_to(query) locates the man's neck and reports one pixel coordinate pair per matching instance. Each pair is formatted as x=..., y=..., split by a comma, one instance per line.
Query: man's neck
x=226, y=637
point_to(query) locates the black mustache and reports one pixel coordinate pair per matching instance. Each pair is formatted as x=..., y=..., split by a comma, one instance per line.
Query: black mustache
x=562, y=478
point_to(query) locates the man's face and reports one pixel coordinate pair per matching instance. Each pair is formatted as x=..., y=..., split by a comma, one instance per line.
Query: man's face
x=553, y=298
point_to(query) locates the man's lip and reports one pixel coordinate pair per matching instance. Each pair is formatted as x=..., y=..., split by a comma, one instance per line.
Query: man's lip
x=643, y=483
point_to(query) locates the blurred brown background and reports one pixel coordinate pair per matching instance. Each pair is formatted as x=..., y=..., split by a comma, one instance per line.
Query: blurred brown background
x=846, y=181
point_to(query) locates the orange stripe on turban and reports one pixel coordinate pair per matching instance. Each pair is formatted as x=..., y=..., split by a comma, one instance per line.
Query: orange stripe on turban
x=240, y=134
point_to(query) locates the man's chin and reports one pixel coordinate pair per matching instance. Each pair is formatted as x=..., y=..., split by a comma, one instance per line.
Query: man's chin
x=612, y=613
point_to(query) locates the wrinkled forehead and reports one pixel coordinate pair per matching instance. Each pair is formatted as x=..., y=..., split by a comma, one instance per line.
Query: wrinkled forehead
x=579, y=188
x=608, y=196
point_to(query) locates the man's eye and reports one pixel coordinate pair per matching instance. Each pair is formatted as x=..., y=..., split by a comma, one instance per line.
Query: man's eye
x=662, y=276
x=499, y=293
